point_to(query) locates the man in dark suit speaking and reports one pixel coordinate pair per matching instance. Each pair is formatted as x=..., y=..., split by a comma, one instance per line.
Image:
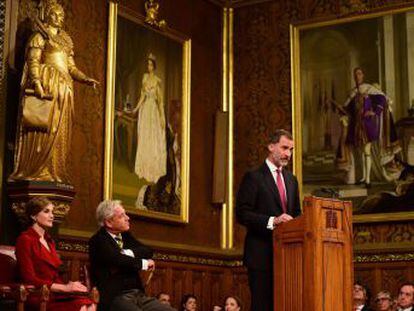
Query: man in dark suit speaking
x=267, y=197
x=116, y=258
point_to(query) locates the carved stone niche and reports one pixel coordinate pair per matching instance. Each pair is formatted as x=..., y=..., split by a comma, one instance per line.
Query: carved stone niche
x=61, y=196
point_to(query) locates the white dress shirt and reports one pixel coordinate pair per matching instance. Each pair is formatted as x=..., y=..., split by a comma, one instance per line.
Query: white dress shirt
x=273, y=168
x=129, y=252
x=359, y=308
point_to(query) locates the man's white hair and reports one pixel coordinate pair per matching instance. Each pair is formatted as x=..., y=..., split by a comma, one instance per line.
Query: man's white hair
x=106, y=210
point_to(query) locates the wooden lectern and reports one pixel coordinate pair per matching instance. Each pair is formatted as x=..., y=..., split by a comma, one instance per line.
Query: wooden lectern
x=313, y=269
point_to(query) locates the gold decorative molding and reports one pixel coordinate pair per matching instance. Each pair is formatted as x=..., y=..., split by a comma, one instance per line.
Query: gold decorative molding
x=198, y=260
x=151, y=11
x=202, y=260
x=82, y=247
x=375, y=258
x=353, y=7
x=73, y=246
x=59, y=211
x=167, y=246
x=61, y=195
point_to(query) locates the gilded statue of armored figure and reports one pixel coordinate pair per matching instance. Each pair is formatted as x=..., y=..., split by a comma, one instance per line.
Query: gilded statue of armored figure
x=46, y=111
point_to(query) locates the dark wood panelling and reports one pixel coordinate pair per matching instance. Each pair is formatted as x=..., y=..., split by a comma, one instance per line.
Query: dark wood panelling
x=212, y=283
x=209, y=283
x=384, y=276
x=86, y=22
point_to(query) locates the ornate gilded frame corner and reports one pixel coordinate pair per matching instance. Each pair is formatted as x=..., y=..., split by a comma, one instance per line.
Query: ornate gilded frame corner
x=116, y=10
x=297, y=113
x=151, y=11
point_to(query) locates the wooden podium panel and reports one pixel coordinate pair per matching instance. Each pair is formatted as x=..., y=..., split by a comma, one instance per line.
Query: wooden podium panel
x=313, y=269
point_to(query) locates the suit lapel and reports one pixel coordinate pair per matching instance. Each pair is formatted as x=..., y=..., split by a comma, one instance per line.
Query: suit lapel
x=270, y=184
x=289, y=190
x=105, y=235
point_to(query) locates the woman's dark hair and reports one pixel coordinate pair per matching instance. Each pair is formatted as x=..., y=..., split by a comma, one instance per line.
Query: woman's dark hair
x=34, y=206
x=238, y=300
x=184, y=300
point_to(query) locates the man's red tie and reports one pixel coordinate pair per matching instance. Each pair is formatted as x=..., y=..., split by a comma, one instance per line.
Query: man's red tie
x=281, y=189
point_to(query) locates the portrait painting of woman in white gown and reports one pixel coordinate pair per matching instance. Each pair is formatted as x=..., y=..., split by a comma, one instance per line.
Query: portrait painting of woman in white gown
x=150, y=111
x=151, y=153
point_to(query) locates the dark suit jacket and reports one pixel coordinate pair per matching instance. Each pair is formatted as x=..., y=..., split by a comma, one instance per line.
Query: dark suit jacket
x=258, y=199
x=111, y=271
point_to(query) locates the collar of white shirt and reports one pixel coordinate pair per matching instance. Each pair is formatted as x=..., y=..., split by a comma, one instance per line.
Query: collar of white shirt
x=114, y=236
x=124, y=251
x=272, y=167
x=406, y=309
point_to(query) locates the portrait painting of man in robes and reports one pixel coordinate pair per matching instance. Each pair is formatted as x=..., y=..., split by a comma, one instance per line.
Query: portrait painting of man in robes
x=355, y=98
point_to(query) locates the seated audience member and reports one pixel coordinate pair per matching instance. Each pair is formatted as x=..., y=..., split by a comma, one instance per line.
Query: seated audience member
x=384, y=301
x=38, y=261
x=360, y=297
x=116, y=258
x=164, y=298
x=405, y=299
x=232, y=303
x=188, y=303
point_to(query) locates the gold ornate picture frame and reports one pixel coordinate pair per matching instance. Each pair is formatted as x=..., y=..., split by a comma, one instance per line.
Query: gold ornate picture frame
x=147, y=133
x=325, y=57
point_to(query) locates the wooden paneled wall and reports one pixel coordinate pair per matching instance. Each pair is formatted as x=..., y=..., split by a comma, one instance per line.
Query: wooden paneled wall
x=384, y=276
x=209, y=283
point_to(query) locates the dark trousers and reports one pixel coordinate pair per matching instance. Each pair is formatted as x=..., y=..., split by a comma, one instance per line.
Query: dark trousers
x=261, y=289
x=136, y=300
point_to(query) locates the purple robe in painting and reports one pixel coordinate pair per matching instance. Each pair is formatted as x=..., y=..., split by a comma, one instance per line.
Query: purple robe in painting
x=359, y=128
x=365, y=128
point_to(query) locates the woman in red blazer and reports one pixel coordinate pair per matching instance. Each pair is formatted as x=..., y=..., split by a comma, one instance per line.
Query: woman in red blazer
x=39, y=263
